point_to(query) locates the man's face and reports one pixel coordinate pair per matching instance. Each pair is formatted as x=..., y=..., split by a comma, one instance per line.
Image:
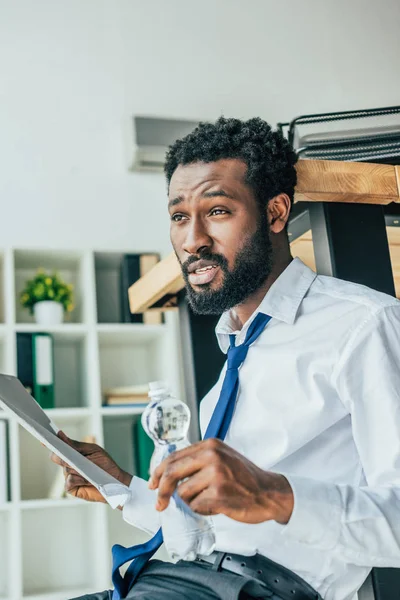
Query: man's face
x=219, y=234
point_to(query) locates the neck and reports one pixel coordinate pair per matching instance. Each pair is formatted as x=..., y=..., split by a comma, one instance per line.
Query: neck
x=245, y=310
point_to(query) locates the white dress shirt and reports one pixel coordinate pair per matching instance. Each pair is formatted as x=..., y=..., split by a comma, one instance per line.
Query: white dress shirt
x=318, y=401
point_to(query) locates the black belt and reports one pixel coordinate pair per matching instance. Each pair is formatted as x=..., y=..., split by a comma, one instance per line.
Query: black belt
x=278, y=579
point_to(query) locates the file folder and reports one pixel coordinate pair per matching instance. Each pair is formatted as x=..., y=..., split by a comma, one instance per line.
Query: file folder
x=43, y=369
x=35, y=357
x=143, y=450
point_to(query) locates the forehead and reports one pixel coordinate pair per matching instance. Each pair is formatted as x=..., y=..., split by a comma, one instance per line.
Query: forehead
x=229, y=174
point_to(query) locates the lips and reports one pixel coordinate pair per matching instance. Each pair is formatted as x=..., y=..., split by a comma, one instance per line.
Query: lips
x=201, y=273
x=201, y=264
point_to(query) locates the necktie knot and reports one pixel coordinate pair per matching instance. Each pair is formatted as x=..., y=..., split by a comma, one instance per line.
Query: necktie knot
x=236, y=355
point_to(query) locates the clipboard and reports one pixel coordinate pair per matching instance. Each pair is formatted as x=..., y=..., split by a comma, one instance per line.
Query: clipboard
x=15, y=400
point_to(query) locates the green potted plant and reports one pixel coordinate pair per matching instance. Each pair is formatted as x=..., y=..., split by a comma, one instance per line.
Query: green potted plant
x=47, y=297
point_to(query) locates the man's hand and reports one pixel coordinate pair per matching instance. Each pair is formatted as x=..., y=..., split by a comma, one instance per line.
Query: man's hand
x=78, y=486
x=220, y=480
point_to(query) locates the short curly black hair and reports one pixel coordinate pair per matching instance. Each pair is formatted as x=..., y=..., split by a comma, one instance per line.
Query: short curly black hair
x=269, y=157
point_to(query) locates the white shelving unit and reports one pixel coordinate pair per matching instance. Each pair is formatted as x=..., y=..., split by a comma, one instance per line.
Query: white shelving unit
x=61, y=548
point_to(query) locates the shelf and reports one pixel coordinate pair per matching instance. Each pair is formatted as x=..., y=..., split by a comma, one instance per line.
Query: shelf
x=121, y=411
x=127, y=360
x=62, y=595
x=71, y=366
x=119, y=440
x=136, y=333
x=39, y=476
x=5, y=472
x=3, y=361
x=5, y=567
x=92, y=351
x=69, y=265
x=49, y=568
x=67, y=413
x=68, y=331
x=69, y=502
x=108, y=289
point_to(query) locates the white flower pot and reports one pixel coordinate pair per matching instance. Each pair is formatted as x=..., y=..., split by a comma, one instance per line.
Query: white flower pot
x=48, y=312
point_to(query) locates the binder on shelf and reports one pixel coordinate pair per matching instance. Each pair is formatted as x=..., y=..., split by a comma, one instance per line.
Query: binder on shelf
x=35, y=366
x=143, y=450
x=134, y=266
x=4, y=483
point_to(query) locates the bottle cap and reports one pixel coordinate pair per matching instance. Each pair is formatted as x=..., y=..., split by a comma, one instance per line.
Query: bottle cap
x=157, y=387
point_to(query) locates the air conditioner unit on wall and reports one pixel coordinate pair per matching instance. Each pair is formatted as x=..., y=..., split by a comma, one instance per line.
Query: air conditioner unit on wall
x=153, y=136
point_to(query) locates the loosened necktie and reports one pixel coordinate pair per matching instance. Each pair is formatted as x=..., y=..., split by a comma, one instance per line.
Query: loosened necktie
x=217, y=428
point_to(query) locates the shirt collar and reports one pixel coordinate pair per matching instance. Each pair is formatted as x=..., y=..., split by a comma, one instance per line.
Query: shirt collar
x=281, y=302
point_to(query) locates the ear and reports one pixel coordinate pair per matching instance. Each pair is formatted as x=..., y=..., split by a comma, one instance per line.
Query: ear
x=278, y=210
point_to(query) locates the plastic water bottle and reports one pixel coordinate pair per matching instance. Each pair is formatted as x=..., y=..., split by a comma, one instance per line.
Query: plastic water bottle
x=166, y=420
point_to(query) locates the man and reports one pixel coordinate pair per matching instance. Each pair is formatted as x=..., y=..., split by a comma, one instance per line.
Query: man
x=308, y=476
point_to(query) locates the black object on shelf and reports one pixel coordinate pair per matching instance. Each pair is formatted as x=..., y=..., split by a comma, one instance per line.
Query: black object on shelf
x=25, y=360
x=374, y=138
x=134, y=266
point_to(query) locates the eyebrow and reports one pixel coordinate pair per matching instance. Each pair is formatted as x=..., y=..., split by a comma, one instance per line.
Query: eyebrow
x=215, y=194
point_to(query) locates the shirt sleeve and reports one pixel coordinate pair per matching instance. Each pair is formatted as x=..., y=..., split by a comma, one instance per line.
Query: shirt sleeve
x=139, y=510
x=361, y=524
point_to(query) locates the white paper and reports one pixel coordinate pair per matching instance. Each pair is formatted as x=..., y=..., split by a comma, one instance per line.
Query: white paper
x=16, y=400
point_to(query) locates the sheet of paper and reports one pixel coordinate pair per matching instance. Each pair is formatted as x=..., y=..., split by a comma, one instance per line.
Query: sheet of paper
x=16, y=400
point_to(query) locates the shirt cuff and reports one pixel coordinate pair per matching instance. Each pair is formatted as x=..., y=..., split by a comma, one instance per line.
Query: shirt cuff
x=317, y=513
x=139, y=510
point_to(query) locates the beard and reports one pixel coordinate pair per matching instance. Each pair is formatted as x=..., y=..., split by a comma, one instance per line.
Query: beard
x=253, y=265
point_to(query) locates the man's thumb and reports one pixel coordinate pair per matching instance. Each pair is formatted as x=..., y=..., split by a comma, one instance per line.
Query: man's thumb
x=66, y=439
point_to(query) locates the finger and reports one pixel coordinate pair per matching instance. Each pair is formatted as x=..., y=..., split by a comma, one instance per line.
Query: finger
x=206, y=503
x=59, y=461
x=74, y=482
x=63, y=436
x=202, y=452
x=188, y=490
x=173, y=473
x=70, y=471
x=84, y=448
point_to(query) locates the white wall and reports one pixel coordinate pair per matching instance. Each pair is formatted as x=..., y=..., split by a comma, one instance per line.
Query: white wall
x=73, y=72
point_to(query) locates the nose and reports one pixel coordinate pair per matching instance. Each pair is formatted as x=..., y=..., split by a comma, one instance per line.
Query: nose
x=197, y=238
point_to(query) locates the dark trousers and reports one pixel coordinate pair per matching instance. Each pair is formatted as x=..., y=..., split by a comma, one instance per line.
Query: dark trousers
x=188, y=581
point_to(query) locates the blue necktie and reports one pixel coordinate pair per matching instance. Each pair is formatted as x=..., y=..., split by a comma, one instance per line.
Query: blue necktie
x=217, y=428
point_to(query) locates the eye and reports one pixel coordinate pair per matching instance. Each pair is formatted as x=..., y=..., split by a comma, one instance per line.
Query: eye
x=218, y=211
x=177, y=217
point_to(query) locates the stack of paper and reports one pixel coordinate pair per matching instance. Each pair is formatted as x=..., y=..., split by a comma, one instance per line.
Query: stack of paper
x=136, y=395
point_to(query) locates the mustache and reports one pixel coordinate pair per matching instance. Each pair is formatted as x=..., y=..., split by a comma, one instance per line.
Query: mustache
x=219, y=259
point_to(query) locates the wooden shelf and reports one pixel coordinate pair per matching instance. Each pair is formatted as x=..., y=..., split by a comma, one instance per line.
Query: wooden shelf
x=112, y=411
